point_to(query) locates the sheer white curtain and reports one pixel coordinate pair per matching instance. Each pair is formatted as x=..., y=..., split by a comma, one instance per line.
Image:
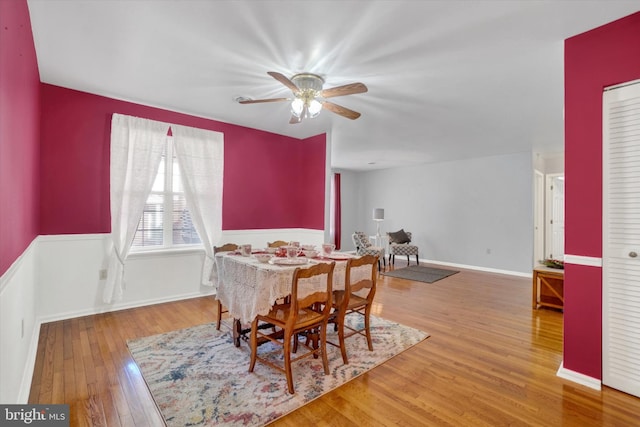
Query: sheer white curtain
x=136, y=149
x=200, y=155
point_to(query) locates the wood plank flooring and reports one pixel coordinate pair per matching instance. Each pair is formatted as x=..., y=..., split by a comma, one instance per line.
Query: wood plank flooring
x=490, y=361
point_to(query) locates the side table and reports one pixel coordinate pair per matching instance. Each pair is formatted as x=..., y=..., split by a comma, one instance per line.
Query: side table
x=548, y=287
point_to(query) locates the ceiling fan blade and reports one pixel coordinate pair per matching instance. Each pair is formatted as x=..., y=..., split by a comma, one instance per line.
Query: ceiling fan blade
x=258, y=101
x=345, y=112
x=349, y=89
x=295, y=120
x=284, y=80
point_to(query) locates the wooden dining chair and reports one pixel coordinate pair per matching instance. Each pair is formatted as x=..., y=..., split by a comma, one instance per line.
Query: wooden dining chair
x=224, y=248
x=353, y=300
x=308, y=312
x=277, y=244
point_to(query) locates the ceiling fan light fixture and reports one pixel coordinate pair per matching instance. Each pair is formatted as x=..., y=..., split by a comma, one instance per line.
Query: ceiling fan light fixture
x=306, y=107
x=314, y=108
x=309, y=96
x=297, y=105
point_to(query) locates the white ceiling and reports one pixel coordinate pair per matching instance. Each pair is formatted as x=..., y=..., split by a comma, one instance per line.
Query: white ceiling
x=447, y=79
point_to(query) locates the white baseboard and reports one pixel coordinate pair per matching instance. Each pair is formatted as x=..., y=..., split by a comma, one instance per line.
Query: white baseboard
x=579, y=378
x=125, y=306
x=25, y=386
x=30, y=364
x=475, y=267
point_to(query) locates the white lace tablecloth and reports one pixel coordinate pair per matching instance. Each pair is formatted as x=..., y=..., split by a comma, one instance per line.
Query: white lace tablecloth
x=247, y=287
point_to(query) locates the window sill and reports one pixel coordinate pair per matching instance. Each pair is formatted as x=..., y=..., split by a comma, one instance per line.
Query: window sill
x=164, y=252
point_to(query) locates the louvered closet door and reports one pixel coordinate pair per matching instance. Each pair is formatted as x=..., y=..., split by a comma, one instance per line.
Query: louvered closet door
x=621, y=240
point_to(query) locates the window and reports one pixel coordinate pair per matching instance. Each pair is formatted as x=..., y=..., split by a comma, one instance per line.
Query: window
x=166, y=221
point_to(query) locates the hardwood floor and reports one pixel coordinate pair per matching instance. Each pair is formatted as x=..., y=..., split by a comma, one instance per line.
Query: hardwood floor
x=490, y=361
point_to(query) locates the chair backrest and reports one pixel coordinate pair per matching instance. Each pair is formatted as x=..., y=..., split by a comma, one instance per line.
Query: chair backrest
x=360, y=240
x=225, y=247
x=408, y=233
x=368, y=283
x=309, y=288
x=277, y=244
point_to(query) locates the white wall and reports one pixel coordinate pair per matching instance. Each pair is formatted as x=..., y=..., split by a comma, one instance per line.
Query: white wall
x=549, y=162
x=58, y=277
x=69, y=267
x=18, y=327
x=70, y=285
x=476, y=212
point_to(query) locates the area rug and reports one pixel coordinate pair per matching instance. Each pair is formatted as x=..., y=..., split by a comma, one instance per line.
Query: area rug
x=197, y=377
x=420, y=273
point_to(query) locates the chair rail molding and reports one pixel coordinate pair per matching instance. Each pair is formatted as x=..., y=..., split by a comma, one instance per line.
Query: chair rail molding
x=583, y=260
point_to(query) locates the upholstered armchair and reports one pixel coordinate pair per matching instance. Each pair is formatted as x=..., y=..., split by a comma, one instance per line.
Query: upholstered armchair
x=365, y=247
x=400, y=244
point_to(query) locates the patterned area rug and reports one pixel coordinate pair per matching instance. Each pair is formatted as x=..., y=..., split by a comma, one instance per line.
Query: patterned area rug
x=420, y=273
x=198, y=378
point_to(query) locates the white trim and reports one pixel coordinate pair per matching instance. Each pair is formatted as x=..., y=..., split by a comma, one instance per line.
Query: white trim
x=15, y=266
x=272, y=231
x=175, y=250
x=119, y=307
x=29, y=366
x=617, y=86
x=71, y=237
x=475, y=267
x=28, y=256
x=579, y=378
x=583, y=260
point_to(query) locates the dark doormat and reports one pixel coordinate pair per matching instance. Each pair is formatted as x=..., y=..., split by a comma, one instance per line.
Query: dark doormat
x=420, y=273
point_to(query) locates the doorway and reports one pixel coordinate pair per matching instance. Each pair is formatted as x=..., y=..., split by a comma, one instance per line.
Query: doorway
x=554, y=216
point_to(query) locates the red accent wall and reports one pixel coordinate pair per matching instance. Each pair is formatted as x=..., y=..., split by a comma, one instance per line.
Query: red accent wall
x=270, y=181
x=19, y=144
x=596, y=59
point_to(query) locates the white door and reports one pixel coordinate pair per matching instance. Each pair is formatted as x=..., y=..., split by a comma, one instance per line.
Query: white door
x=538, y=218
x=621, y=239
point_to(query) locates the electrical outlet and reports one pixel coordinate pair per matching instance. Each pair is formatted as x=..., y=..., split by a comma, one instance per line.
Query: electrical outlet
x=103, y=274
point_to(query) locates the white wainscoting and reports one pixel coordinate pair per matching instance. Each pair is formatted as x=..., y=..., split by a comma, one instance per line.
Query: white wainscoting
x=70, y=285
x=19, y=327
x=69, y=267
x=58, y=277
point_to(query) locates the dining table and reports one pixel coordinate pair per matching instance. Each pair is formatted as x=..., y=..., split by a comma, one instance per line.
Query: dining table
x=248, y=287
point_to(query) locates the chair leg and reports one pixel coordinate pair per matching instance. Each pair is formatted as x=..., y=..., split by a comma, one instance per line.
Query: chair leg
x=323, y=348
x=367, y=326
x=417, y=260
x=287, y=362
x=343, y=347
x=254, y=344
x=219, y=316
x=408, y=261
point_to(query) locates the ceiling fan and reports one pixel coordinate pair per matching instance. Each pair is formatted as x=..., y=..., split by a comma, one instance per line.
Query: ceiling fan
x=309, y=97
